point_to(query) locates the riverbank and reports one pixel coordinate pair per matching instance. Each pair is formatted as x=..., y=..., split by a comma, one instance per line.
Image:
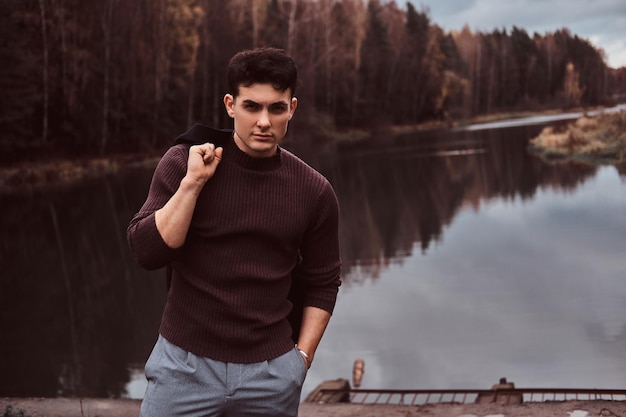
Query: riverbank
x=599, y=139
x=32, y=175
x=67, y=407
x=27, y=176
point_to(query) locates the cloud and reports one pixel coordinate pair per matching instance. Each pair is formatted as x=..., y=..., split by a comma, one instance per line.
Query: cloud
x=600, y=22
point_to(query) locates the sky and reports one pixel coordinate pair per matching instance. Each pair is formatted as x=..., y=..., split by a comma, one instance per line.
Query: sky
x=602, y=22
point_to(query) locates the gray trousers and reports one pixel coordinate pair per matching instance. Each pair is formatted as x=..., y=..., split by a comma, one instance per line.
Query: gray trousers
x=183, y=384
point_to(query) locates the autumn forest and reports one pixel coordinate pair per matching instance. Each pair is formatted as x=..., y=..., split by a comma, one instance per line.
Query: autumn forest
x=88, y=77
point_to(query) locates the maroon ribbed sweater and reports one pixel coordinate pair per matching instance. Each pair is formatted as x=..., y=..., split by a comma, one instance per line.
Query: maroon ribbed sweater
x=254, y=221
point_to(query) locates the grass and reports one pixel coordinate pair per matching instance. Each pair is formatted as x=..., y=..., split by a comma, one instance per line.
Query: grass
x=9, y=411
x=600, y=139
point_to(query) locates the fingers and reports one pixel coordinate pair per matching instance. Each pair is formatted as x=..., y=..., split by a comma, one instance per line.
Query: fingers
x=208, y=152
x=203, y=161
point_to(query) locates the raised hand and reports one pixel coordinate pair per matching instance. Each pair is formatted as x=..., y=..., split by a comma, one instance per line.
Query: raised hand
x=203, y=161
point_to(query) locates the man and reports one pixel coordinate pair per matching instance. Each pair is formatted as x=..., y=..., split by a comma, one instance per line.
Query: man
x=237, y=219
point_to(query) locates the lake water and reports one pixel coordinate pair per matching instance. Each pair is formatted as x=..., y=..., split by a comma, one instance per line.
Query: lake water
x=466, y=259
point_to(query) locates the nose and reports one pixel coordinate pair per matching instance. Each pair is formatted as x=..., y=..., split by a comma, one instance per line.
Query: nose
x=264, y=119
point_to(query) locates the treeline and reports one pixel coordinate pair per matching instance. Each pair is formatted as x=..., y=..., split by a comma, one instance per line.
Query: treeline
x=103, y=76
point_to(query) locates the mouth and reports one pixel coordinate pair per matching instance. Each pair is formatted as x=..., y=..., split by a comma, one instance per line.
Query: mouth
x=262, y=136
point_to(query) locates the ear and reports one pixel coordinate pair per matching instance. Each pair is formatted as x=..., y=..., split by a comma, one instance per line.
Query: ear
x=294, y=104
x=229, y=103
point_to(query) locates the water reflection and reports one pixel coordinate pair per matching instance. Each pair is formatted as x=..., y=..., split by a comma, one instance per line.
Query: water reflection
x=431, y=226
x=530, y=290
x=393, y=197
x=75, y=308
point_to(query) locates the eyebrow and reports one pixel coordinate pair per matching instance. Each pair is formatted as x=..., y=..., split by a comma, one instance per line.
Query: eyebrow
x=277, y=103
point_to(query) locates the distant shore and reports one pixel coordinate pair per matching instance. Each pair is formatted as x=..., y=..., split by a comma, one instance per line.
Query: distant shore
x=600, y=138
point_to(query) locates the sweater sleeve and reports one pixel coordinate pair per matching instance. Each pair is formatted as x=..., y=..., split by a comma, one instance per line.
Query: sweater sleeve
x=144, y=239
x=319, y=270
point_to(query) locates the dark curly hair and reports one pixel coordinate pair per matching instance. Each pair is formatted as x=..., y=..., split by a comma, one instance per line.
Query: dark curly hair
x=263, y=66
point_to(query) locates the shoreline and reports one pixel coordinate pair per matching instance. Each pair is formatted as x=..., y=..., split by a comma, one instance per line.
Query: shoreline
x=74, y=407
x=57, y=171
x=597, y=139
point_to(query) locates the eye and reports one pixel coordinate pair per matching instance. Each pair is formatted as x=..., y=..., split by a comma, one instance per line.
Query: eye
x=279, y=108
x=251, y=106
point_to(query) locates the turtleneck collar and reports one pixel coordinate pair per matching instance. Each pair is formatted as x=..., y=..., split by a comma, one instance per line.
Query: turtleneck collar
x=231, y=150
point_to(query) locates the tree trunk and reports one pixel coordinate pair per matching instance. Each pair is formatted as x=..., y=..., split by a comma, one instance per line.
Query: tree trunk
x=192, y=83
x=106, y=28
x=292, y=27
x=159, y=67
x=44, y=37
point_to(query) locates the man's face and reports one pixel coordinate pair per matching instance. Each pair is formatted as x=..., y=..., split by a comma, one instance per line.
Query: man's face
x=261, y=115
